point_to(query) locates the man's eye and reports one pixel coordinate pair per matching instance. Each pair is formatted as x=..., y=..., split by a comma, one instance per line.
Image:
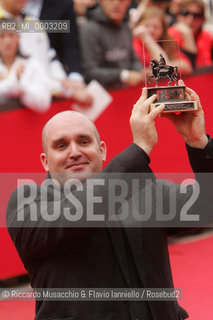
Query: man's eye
x=84, y=142
x=60, y=146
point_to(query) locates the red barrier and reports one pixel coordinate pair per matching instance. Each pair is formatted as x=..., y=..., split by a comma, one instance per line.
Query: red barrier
x=21, y=145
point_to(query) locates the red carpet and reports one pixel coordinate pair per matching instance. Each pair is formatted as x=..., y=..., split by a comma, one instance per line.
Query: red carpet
x=17, y=310
x=114, y=128
x=192, y=263
x=192, y=266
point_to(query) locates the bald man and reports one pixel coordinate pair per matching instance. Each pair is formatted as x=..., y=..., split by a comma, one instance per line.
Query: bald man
x=60, y=257
x=72, y=146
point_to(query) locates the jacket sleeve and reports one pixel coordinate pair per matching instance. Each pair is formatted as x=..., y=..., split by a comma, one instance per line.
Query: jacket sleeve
x=66, y=44
x=70, y=47
x=201, y=161
x=92, y=55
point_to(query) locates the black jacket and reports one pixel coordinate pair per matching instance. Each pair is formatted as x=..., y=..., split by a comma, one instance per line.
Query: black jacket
x=65, y=44
x=96, y=257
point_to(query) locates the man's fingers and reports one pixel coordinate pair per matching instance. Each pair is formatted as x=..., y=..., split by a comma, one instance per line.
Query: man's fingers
x=142, y=107
x=143, y=95
x=187, y=96
x=154, y=113
x=190, y=91
x=187, y=89
x=194, y=98
x=141, y=100
x=149, y=101
x=190, y=94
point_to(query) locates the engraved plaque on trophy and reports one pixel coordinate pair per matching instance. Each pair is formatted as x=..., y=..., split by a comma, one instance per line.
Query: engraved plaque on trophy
x=172, y=95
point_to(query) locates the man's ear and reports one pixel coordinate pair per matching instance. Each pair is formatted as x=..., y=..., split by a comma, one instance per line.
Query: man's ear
x=44, y=162
x=103, y=150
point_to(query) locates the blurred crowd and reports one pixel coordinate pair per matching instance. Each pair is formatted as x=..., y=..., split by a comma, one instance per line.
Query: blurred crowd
x=111, y=41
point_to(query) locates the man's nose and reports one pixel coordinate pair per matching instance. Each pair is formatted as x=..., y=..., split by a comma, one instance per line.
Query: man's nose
x=74, y=150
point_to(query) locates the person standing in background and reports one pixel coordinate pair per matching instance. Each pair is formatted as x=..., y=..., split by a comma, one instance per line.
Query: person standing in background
x=107, y=52
x=22, y=77
x=149, y=30
x=194, y=41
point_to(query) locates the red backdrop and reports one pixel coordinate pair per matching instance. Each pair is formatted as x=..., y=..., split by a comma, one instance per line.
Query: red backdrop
x=21, y=146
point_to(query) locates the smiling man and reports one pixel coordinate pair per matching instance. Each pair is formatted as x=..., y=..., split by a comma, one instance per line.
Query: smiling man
x=72, y=149
x=63, y=258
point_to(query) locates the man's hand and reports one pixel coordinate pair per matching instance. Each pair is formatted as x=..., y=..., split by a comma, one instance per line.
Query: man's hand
x=143, y=123
x=191, y=125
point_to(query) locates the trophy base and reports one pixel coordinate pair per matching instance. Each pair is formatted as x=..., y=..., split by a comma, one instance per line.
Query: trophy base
x=178, y=106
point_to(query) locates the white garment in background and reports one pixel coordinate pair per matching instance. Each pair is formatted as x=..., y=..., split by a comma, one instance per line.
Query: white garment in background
x=37, y=45
x=32, y=88
x=56, y=75
x=33, y=8
x=34, y=44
